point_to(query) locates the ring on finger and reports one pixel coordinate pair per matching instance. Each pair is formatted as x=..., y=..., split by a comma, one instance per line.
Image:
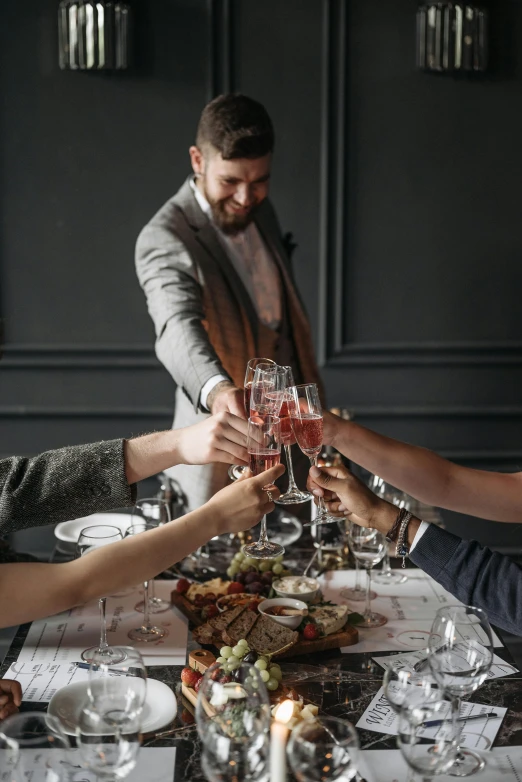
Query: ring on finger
x=269, y=493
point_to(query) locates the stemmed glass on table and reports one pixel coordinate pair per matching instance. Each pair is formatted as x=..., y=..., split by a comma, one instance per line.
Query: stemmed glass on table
x=400, y=499
x=92, y=538
x=147, y=633
x=369, y=550
x=108, y=731
x=323, y=749
x=31, y=742
x=306, y=416
x=460, y=654
x=264, y=452
x=293, y=495
x=151, y=512
x=357, y=592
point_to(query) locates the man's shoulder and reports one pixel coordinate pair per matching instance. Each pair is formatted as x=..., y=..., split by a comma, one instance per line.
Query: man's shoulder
x=174, y=221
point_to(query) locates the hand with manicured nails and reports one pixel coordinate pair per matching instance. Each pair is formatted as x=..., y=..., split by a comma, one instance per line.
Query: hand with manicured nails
x=10, y=697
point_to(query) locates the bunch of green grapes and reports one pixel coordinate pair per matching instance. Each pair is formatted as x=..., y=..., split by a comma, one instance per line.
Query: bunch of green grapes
x=231, y=658
x=242, y=565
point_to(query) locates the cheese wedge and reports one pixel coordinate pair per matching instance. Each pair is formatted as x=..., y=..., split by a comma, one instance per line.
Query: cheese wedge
x=329, y=619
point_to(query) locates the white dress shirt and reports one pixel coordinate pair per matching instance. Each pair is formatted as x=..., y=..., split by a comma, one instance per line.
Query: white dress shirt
x=423, y=526
x=255, y=266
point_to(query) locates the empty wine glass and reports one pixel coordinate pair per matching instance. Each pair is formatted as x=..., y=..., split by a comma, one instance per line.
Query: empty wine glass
x=323, y=749
x=404, y=687
x=117, y=691
x=264, y=451
x=460, y=654
x=434, y=757
x=306, y=416
x=369, y=550
x=293, y=495
x=107, y=749
x=92, y=538
x=154, y=512
x=400, y=499
x=357, y=592
x=147, y=633
x=33, y=741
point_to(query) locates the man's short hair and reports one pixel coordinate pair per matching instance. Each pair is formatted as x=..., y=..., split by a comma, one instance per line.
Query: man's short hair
x=237, y=126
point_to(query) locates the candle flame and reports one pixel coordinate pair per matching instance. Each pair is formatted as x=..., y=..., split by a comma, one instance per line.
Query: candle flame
x=284, y=711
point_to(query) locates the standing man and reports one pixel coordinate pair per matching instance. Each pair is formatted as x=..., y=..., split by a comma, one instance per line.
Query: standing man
x=218, y=279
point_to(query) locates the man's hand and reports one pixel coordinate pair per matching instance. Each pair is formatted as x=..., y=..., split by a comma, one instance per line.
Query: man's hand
x=220, y=438
x=331, y=424
x=345, y=494
x=10, y=697
x=226, y=398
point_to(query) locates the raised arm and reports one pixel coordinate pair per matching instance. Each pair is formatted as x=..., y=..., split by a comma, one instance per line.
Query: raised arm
x=72, y=482
x=427, y=476
x=30, y=591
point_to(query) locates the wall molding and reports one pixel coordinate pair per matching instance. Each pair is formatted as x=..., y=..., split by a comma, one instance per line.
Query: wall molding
x=84, y=411
x=68, y=356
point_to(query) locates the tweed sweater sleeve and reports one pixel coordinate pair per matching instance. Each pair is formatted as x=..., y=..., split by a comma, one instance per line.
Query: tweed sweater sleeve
x=474, y=575
x=63, y=484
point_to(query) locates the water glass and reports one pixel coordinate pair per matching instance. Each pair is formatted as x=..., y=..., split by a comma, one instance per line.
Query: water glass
x=117, y=692
x=107, y=749
x=226, y=760
x=323, y=749
x=428, y=758
x=92, y=538
x=33, y=740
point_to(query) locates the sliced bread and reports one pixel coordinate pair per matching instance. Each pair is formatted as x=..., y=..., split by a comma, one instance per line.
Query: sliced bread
x=240, y=627
x=226, y=618
x=269, y=637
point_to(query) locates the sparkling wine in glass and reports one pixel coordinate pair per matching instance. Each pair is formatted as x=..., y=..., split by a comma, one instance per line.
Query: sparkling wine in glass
x=369, y=550
x=147, y=632
x=92, y=538
x=249, y=377
x=264, y=451
x=460, y=654
x=151, y=512
x=267, y=390
x=306, y=416
x=293, y=495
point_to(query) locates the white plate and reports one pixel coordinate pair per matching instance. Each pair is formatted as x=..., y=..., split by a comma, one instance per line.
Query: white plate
x=159, y=709
x=69, y=531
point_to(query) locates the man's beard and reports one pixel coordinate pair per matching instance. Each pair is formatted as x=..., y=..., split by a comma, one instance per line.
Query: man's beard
x=228, y=223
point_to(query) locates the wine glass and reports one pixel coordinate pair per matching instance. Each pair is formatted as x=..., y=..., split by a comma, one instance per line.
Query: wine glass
x=460, y=654
x=154, y=512
x=33, y=741
x=323, y=749
x=249, y=377
x=293, y=495
x=147, y=633
x=264, y=451
x=369, y=549
x=428, y=758
x=92, y=538
x=267, y=390
x=306, y=416
x=107, y=749
x=400, y=499
x=117, y=692
x=404, y=687
x=358, y=592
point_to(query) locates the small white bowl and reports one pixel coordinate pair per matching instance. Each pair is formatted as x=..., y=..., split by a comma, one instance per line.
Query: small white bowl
x=306, y=596
x=288, y=621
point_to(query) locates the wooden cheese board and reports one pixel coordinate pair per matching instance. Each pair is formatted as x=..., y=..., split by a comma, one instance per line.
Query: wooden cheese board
x=347, y=636
x=200, y=660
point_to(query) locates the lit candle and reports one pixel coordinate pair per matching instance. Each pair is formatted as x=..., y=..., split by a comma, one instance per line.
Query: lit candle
x=278, y=738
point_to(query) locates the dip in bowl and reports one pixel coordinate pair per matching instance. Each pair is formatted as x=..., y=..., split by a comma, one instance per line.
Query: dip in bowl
x=277, y=609
x=297, y=587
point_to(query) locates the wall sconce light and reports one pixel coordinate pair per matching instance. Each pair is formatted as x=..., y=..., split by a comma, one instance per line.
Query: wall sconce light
x=93, y=34
x=452, y=38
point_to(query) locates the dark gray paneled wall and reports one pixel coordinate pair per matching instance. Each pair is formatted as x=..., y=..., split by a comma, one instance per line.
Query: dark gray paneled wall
x=402, y=190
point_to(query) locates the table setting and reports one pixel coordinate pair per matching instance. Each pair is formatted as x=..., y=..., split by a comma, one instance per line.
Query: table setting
x=277, y=664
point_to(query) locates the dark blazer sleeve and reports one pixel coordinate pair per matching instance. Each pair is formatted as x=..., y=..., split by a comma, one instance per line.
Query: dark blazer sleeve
x=474, y=575
x=64, y=484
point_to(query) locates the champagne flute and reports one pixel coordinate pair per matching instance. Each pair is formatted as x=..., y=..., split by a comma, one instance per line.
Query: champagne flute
x=369, y=549
x=267, y=390
x=92, y=538
x=147, y=633
x=357, y=592
x=151, y=512
x=293, y=495
x=264, y=451
x=460, y=654
x=306, y=416
x=249, y=377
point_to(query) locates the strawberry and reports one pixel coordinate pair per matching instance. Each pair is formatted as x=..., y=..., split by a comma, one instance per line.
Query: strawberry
x=198, y=684
x=310, y=632
x=189, y=676
x=207, y=612
x=235, y=588
x=182, y=585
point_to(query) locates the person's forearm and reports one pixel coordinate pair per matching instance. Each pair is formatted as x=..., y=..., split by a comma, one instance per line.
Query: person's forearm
x=151, y=454
x=430, y=478
x=34, y=590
